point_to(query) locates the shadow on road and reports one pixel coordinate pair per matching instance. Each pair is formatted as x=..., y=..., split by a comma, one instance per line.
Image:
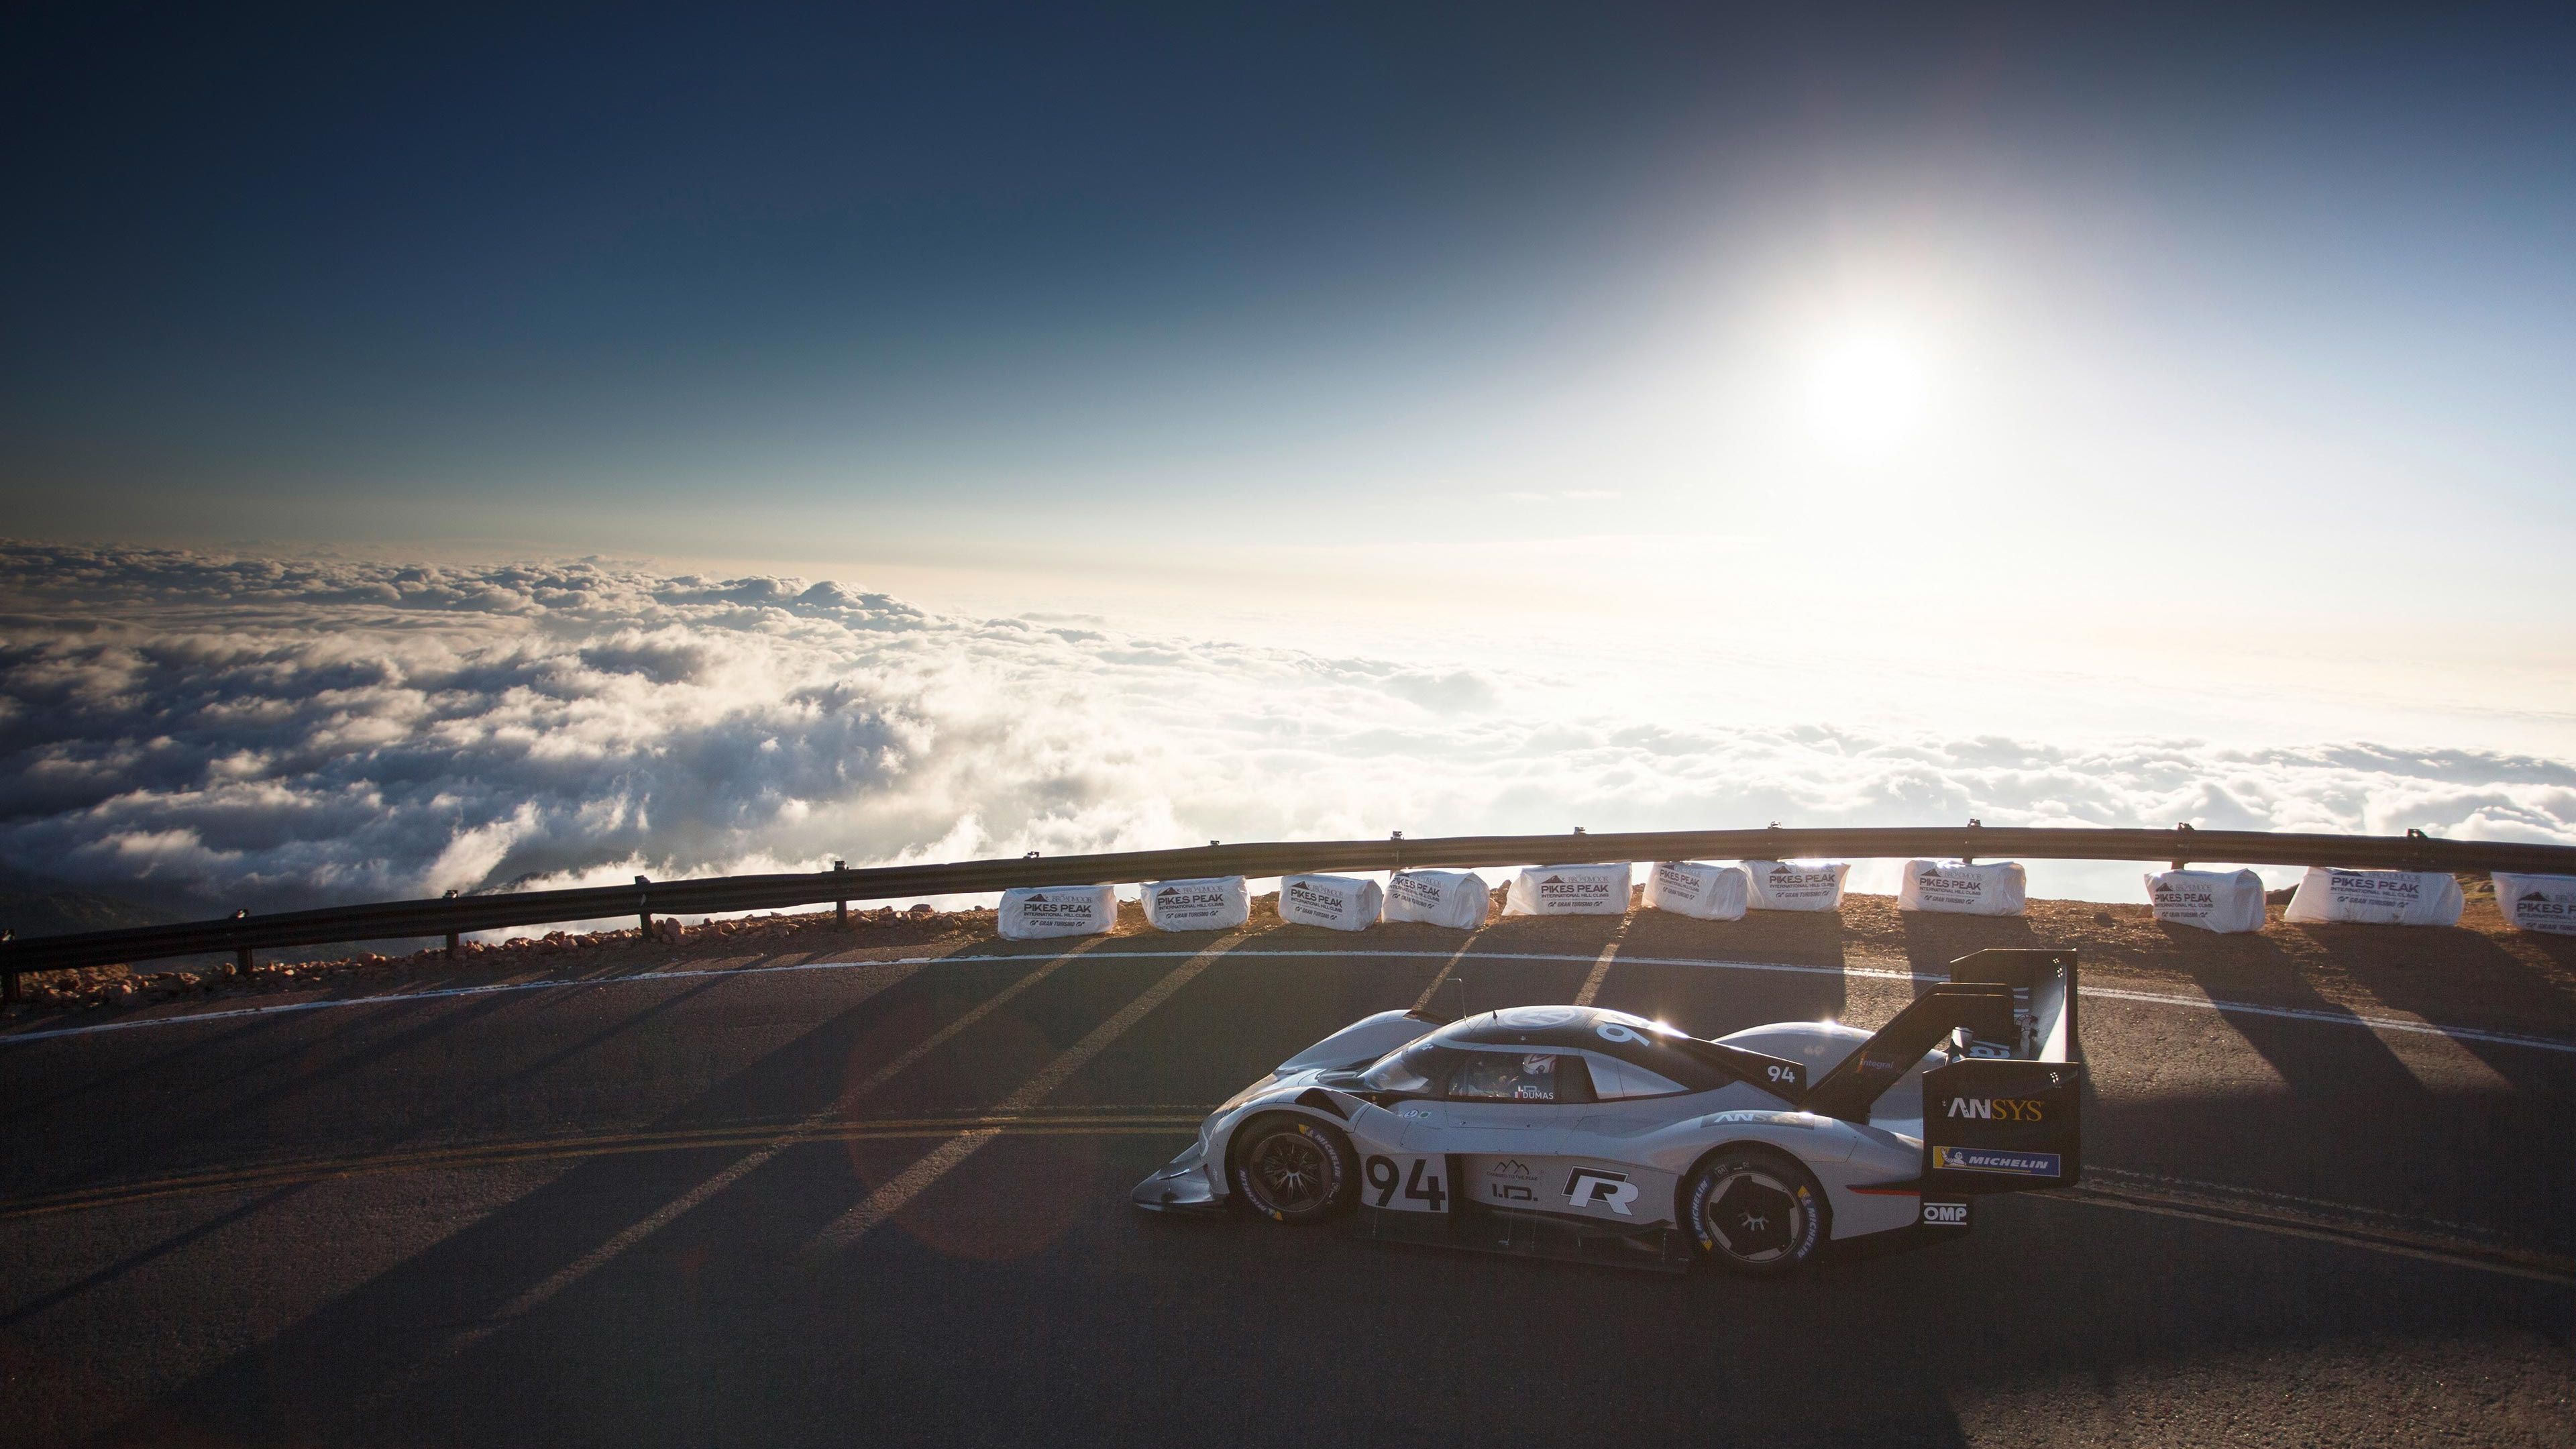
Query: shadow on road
x=1019, y=1299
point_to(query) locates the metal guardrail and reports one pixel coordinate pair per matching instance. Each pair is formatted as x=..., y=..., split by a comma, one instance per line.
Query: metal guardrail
x=244, y=934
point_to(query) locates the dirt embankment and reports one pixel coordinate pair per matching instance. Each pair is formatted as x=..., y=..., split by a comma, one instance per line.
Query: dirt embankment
x=2480, y=973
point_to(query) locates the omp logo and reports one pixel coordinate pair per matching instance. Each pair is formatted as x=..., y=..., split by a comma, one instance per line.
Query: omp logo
x=1945, y=1214
x=1996, y=1109
x=1613, y=1190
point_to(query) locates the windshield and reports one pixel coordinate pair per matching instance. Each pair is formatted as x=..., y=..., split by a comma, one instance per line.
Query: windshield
x=1415, y=1068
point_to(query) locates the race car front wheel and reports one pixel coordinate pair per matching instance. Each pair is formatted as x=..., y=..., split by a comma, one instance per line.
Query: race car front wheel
x=1292, y=1170
x=1756, y=1211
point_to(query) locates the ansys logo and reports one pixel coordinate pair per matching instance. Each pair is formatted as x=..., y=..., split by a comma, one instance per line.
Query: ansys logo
x=1996, y=1109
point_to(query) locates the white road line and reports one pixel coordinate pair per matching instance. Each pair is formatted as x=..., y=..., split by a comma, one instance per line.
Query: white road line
x=2333, y=1018
x=2196, y=1003
x=1423, y=1002
x=891, y=1196
x=1601, y=965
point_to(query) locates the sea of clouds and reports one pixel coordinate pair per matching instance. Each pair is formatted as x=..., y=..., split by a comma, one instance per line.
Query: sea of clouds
x=213, y=732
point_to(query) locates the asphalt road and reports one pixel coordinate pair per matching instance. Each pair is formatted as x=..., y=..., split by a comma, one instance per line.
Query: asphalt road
x=886, y=1203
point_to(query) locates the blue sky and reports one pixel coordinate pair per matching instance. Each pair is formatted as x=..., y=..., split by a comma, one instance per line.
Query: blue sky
x=2180, y=340
x=419, y=431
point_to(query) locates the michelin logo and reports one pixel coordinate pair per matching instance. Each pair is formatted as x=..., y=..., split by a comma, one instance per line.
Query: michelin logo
x=1987, y=1159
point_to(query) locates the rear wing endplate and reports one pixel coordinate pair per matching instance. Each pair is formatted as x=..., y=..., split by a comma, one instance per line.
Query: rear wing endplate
x=2006, y=1116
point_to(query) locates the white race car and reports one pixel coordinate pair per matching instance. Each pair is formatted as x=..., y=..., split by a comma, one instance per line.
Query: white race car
x=1570, y=1131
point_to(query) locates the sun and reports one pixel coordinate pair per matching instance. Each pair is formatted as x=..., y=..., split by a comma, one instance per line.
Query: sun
x=1866, y=388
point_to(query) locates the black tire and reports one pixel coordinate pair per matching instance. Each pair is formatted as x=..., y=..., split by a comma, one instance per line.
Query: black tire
x=1295, y=1170
x=1755, y=1211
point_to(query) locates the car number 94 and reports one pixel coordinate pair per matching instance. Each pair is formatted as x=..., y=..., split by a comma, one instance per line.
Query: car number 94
x=1411, y=1184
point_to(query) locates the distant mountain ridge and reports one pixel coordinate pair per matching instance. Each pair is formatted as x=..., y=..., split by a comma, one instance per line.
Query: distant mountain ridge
x=33, y=905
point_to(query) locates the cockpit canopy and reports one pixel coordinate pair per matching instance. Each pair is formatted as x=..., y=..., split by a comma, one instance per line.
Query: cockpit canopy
x=1546, y=1054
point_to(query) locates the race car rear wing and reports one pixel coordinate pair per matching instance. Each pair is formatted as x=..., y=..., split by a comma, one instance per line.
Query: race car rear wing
x=1984, y=1009
x=2043, y=987
x=2001, y=1114
x=2006, y=1115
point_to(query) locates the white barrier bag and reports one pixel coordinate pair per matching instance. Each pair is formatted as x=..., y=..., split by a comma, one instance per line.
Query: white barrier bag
x=1030, y=912
x=1796, y=885
x=1569, y=890
x=1214, y=904
x=2537, y=902
x=2376, y=897
x=1342, y=902
x=2214, y=900
x=1995, y=889
x=1690, y=888
x=1452, y=898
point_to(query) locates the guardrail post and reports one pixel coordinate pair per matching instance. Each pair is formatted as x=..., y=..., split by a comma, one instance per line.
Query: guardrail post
x=841, y=907
x=1964, y=857
x=2182, y=827
x=241, y=954
x=453, y=945
x=9, y=977
x=644, y=907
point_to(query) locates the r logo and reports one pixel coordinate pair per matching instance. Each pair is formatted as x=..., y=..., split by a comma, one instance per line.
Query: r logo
x=1590, y=1188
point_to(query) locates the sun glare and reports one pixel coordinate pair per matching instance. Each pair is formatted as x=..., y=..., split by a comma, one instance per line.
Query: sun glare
x=1866, y=390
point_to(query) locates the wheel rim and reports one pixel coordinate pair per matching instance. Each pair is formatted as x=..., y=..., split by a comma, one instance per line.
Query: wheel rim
x=1290, y=1173
x=1754, y=1216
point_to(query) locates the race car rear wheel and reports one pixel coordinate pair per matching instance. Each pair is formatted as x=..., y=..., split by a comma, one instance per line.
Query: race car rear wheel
x=1755, y=1211
x=1293, y=1170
